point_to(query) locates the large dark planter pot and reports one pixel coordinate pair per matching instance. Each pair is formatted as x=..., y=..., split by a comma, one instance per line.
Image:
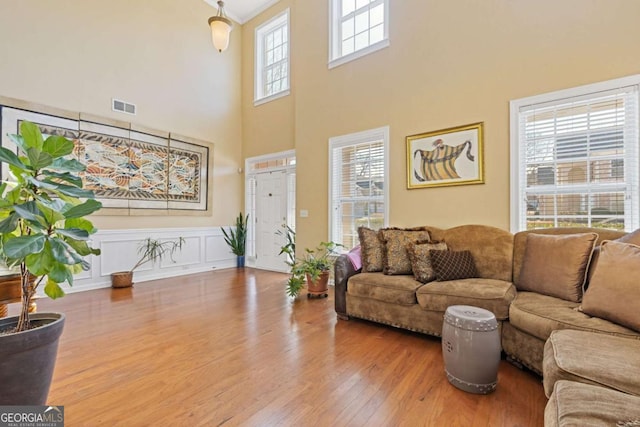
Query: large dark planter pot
x=240, y=261
x=27, y=359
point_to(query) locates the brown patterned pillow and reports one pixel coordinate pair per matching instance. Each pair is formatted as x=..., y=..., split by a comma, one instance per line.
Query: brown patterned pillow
x=421, y=259
x=396, y=258
x=453, y=265
x=372, y=250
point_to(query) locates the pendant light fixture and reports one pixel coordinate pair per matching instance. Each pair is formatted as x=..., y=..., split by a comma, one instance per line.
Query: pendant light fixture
x=221, y=26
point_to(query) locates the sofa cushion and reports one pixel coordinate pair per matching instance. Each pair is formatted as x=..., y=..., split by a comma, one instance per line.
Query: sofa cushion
x=539, y=315
x=490, y=294
x=491, y=247
x=557, y=265
x=396, y=258
x=453, y=265
x=372, y=250
x=576, y=404
x=394, y=289
x=615, y=284
x=615, y=365
x=421, y=259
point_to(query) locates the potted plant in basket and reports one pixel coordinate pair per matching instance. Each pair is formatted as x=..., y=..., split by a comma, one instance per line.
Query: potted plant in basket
x=45, y=234
x=314, y=267
x=149, y=250
x=237, y=239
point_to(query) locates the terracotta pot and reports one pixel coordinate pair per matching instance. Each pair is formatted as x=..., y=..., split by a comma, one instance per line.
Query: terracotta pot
x=27, y=359
x=320, y=285
x=122, y=279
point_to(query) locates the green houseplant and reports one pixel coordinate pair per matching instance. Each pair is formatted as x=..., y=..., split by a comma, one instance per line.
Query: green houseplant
x=313, y=266
x=150, y=250
x=45, y=234
x=237, y=239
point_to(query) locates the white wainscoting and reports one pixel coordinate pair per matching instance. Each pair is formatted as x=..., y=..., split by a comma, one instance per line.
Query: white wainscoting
x=204, y=250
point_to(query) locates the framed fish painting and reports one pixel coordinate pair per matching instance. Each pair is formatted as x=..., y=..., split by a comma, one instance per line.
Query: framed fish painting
x=452, y=156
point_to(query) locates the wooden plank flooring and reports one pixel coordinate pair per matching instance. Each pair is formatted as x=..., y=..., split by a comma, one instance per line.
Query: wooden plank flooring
x=228, y=347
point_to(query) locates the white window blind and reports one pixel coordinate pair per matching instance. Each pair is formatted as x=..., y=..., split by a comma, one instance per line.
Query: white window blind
x=578, y=160
x=358, y=26
x=272, y=58
x=358, y=184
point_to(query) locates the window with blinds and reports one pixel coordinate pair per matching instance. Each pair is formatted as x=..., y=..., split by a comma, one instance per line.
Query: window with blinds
x=358, y=184
x=358, y=27
x=272, y=59
x=575, y=158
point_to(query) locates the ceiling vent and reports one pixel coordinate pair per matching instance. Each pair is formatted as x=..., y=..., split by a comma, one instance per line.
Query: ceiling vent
x=123, y=107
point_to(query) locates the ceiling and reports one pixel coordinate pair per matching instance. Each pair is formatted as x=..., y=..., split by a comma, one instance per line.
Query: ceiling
x=243, y=10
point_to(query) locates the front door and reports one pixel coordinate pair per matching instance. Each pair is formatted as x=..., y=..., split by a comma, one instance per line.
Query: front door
x=271, y=214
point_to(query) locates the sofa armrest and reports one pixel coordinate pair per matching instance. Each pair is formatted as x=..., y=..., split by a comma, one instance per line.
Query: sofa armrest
x=342, y=269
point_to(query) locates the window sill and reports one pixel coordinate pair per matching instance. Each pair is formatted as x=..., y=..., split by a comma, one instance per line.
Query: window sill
x=358, y=54
x=270, y=98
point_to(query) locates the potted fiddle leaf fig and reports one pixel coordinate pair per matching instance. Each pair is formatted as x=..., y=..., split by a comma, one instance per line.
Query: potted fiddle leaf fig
x=237, y=239
x=45, y=234
x=150, y=250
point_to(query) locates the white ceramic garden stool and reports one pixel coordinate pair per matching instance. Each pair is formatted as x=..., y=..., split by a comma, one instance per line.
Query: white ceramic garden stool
x=471, y=348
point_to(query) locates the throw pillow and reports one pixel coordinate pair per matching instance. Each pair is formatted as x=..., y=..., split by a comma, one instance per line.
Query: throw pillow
x=615, y=285
x=372, y=250
x=396, y=259
x=453, y=265
x=421, y=259
x=556, y=265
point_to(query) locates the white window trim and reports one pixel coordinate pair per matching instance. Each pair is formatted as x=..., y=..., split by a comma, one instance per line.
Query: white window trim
x=334, y=21
x=259, y=34
x=363, y=137
x=514, y=110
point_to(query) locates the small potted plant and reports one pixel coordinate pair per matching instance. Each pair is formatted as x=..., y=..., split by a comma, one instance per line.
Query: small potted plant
x=314, y=267
x=237, y=239
x=150, y=250
x=45, y=235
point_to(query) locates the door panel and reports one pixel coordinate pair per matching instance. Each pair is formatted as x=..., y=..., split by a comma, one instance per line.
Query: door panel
x=271, y=213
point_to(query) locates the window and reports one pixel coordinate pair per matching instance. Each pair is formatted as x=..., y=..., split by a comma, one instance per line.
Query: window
x=358, y=183
x=272, y=59
x=357, y=28
x=575, y=158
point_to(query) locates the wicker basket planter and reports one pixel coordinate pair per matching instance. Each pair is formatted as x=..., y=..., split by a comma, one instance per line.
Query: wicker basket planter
x=122, y=279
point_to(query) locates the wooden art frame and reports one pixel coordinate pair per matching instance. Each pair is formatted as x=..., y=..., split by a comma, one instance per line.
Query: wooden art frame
x=435, y=159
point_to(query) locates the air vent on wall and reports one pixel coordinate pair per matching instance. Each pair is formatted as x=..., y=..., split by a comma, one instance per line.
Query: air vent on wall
x=123, y=107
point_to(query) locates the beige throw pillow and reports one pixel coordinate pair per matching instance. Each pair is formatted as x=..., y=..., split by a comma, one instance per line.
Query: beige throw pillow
x=615, y=286
x=421, y=259
x=372, y=250
x=556, y=265
x=396, y=260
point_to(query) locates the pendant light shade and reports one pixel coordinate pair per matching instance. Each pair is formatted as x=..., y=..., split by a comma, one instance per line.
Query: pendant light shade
x=221, y=27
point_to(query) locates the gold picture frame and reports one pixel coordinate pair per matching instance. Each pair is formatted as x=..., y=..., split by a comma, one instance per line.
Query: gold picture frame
x=445, y=157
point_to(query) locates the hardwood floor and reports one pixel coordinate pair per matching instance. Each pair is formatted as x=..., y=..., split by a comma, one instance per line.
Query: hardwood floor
x=228, y=347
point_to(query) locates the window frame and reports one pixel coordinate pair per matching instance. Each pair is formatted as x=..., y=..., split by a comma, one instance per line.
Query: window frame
x=261, y=33
x=335, y=30
x=353, y=139
x=590, y=91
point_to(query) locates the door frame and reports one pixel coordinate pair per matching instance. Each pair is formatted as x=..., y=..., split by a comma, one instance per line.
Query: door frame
x=253, y=166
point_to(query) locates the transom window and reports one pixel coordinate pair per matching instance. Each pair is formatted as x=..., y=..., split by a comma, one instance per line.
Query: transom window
x=575, y=158
x=358, y=182
x=358, y=27
x=272, y=59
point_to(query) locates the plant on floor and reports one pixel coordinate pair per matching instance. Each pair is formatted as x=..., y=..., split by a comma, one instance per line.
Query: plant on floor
x=42, y=217
x=237, y=239
x=313, y=265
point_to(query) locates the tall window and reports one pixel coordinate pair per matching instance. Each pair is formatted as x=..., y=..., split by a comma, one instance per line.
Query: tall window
x=575, y=158
x=358, y=27
x=272, y=59
x=358, y=182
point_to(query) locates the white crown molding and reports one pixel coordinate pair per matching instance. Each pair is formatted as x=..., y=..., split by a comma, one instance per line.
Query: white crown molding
x=241, y=16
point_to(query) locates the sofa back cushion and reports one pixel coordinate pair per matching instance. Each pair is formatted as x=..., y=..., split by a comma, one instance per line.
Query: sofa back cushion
x=614, y=289
x=491, y=248
x=520, y=240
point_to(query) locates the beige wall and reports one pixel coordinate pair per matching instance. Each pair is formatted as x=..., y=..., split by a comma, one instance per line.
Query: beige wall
x=77, y=55
x=450, y=63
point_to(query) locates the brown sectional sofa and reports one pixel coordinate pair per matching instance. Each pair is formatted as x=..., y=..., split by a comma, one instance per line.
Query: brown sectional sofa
x=526, y=318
